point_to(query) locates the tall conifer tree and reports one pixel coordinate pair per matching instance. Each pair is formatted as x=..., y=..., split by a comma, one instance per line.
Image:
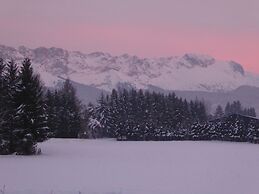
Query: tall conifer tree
x=30, y=115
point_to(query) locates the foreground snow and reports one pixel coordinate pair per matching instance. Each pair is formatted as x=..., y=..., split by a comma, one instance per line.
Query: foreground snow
x=111, y=167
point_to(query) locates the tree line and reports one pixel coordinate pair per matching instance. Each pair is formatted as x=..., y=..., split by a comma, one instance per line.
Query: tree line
x=234, y=108
x=136, y=114
x=139, y=115
x=30, y=113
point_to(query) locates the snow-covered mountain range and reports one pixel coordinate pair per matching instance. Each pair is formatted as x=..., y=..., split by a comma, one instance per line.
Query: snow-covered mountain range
x=103, y=71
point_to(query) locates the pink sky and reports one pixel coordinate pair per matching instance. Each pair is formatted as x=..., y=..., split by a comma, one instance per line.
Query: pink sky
x=225, y=29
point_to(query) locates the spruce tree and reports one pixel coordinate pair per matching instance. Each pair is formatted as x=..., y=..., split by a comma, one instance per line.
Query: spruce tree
x=251, y=112
x=93, y=123
x=113, y=113
x=68, y=112
x=51, y=111
x=12, y=80
x=30, y=115
x=85, y=117
x=4, y=136
x=219, y=112
x=3, y=94
x=228, y=109
x=102, y=114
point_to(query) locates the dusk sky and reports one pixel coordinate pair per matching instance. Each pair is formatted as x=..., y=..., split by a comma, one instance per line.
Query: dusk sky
x=225, y=29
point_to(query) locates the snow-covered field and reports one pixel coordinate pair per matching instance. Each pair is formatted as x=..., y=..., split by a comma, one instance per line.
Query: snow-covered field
x=111, y=167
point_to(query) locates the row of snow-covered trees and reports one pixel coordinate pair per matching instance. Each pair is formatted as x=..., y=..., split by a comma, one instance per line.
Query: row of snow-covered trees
x=136, y=114
x=233, y=127
x=234, y=108
x=22, y=115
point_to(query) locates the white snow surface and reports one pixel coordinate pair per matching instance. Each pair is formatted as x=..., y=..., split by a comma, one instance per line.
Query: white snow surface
x=192, y=72
x=105, y=166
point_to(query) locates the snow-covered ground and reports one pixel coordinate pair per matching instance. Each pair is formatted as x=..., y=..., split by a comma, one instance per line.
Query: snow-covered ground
x=111, y=167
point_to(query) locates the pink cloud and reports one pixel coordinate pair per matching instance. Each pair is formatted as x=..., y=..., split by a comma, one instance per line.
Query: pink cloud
x=145, y=41
x=242, y=47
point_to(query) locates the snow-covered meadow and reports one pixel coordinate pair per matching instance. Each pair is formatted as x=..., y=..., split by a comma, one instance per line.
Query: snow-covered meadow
x=73, y=166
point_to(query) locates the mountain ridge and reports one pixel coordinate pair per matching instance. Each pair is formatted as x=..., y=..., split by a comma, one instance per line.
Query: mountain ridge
x=190, y=76
x=192, y=72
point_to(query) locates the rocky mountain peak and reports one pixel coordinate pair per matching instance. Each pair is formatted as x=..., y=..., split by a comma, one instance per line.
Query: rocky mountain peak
x=101, y=70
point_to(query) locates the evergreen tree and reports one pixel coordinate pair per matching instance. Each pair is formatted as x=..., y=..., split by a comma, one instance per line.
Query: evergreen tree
x=219, y=112
x=113, y=113
x=246, y=111
x=12, y=80
x=30, y=115
x=4, y=136
x=51, y=111
x=102, y=115
x=68, y=112
x=227, y=109
x=250, y=112
x=85, y=117
x=202, y=114
x=3, y=93
x=95, y=127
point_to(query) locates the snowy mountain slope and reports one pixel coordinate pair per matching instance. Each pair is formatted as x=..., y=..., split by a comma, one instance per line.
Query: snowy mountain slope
x=103, y=71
